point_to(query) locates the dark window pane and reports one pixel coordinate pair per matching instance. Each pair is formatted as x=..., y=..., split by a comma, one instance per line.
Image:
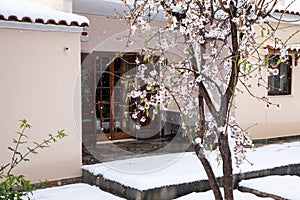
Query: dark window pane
x=105, y=79
x=117, y=76
x=98, y=110
x=105, y=95
x=98, y=95
x=105, y=110
x=117, y=64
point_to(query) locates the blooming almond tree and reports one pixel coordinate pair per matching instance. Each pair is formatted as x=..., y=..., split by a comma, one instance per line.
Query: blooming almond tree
x=218, y=39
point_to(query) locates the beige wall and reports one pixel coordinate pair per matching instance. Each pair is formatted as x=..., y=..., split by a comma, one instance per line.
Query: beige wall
x=105, y=33
x=272, y=122
x=40, y=82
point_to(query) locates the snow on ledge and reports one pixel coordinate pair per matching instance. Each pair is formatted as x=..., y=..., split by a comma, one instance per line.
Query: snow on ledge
x=171, y=169
x=26, y=11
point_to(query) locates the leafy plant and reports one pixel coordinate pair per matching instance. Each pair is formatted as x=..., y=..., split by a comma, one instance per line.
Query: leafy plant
x=14, y=187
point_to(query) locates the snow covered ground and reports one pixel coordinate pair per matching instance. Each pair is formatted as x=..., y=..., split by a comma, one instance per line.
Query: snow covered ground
x=78, y=191
x=209, y=195
x=283, y=186
x=155, y=171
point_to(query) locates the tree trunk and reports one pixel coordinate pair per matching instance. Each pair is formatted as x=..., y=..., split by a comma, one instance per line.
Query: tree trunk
x=227, y=166
x=209, y=172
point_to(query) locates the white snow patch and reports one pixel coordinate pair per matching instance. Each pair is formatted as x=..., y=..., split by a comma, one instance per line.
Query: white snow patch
x=290, y=5
x=23, y=8
x=72, y=192
x=284, y=186
x=209, y=195
x=171, y=169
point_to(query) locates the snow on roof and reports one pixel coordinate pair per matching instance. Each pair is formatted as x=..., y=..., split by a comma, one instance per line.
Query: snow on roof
x=108, y=8
x=289, y=47
x=288, y=11
x=98, y=7
x=26, y=11
x=288, y=6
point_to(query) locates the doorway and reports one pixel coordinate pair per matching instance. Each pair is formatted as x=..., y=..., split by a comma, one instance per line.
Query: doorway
x=104, y=102
x=110, y=97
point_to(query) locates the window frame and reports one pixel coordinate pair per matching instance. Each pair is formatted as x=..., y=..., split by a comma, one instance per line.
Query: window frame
x=276, y=91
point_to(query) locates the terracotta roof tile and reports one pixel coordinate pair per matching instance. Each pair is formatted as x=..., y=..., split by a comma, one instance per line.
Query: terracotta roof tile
x=26, y=19
x=42, y=21
x=30, y=12
x=287, y=12
x=39, y=20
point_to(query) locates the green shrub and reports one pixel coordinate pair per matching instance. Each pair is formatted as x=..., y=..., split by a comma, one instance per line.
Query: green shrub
x=14, y=187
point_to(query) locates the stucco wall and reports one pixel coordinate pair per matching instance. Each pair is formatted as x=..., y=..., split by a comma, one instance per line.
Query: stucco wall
x=268, y=122
x=110, y=34
x=40, y=81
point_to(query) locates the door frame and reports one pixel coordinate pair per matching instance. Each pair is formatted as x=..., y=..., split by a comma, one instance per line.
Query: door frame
x=112, y=135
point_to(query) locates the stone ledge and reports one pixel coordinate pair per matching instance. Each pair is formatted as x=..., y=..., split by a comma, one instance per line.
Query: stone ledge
x=166, y=192
x=48, y=184
x=174, y=191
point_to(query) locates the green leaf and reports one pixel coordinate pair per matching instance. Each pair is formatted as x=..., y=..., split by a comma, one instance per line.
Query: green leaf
x=266, y=62
x=245, y=66
x=262, y=34
x=153, y=117
x=279, y=61
x=240, y=22
x=250, y=68
x=240, y=61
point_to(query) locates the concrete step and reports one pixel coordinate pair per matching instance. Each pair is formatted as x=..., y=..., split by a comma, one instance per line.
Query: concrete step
x=173, y=191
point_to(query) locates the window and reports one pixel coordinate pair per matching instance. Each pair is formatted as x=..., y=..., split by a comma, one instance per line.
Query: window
x=280, y=84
